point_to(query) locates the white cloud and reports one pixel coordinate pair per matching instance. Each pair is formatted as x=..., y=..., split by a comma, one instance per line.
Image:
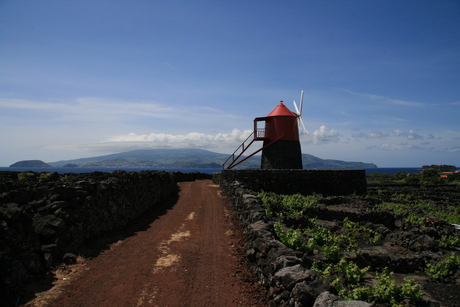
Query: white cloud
x=414, y=136
x=411, y=135
x=447, y=149
x=386, y=99
x=196, y=138
x=146, y=108
x=358, y=134
x=222, y=142
x=401, y=146
x=377, y=134
x=397, y=132
x=90, y=109
x=324, y=135
x=408, y=145
x=32, y=105
x=111, y=115
x=405, y=103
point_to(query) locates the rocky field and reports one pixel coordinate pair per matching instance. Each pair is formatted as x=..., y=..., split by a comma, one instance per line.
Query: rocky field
x=397, y=245
x=46, y=218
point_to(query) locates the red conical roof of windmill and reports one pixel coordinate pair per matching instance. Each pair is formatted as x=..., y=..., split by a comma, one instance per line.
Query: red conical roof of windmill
x=281, y=110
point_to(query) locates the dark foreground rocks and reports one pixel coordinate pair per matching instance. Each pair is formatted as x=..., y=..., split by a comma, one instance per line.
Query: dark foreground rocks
x=46, y=218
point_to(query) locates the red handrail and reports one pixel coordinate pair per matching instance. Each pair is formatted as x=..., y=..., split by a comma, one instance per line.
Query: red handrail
x=232, y=156
x=233, y=164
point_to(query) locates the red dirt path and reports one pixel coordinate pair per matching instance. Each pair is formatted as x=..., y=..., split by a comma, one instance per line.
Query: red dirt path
x=190, y=256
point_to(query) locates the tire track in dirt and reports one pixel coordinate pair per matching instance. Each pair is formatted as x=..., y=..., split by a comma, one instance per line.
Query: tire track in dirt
x=191, y=256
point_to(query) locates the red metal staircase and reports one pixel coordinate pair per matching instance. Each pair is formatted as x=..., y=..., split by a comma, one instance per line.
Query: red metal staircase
x=235, y=156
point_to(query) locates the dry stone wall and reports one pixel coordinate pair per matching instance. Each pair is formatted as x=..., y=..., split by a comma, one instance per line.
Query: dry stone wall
x=306, y=182
x=46, y=217
x=288, y=280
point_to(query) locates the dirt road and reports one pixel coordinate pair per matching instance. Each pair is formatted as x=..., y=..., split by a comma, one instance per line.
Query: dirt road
x=190, y=256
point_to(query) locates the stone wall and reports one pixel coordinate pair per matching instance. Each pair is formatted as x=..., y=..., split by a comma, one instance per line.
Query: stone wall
x=288, y=280
x=306, y=182
x=46, y=217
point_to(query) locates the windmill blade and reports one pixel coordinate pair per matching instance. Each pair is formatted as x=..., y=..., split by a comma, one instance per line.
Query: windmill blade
x=296, y=108
x=299, y=113
x=301, y=103
x=303, y=125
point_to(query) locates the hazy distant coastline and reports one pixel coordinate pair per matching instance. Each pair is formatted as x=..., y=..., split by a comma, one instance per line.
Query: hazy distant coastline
x=181, y=158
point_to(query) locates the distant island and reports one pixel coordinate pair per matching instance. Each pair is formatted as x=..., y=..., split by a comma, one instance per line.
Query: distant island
x=442, y=167
x=30, y=163
x=182, y=158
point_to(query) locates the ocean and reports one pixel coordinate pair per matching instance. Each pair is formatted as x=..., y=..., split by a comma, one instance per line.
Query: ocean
x=62, y=170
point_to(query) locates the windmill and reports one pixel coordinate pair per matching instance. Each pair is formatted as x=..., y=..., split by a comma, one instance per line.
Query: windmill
x=280, y=136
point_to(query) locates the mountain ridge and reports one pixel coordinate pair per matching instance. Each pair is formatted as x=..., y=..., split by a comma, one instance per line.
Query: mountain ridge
x=193, y=158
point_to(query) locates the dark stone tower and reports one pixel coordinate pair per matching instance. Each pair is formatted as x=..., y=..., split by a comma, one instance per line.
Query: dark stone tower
x=282, y=155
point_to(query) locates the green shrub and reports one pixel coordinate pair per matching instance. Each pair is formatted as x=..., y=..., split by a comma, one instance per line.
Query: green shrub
x=25, y=175
x=430, y=176
x=442, y=270
x=415, y=219
x=293, y=204
x=454, y=178
x=356, y=230
x=351, y=270
x=294, y=239
x=385, y=291
x=413, y=178
x=401, y=175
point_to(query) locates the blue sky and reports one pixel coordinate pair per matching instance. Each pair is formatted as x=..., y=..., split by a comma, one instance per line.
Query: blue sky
x=87, y=78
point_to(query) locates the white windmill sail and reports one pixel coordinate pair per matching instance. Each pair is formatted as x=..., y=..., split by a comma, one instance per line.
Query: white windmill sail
x=299, y=112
